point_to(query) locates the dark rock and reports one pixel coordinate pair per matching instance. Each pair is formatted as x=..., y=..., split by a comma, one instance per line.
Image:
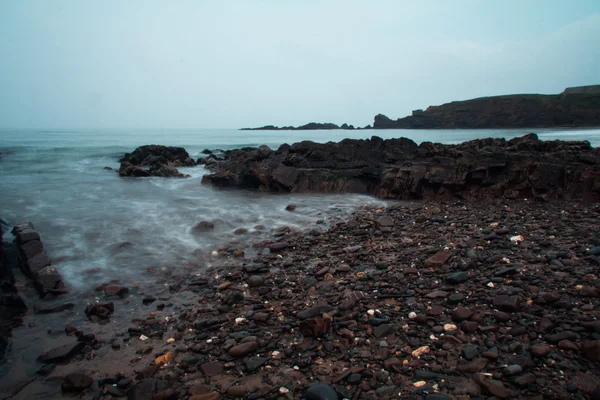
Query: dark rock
x=401, y=169
x=507, y=303
x=254, y=363
x=203, y=226
x=320, y=392
x=591, y=350
x=212, y=368
x=461, y=314
x=314, y=311
x=438, y=259
x=255, y=281
x=456, y=278
x=491, y=386
x=76, y=382
x=61, y=353
x=43, y=308
x=243, y=349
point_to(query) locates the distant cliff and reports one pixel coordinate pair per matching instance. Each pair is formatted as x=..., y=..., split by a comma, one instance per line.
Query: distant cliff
x=575, y=107
x=308, y=127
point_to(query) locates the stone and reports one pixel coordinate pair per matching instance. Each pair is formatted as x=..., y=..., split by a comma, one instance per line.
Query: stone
x=540, y=350
x=61, y=353
x=212, y=368
x=76, y=382
x=314, y=311
x=476, y=365
x=43, y=308
x=116, y=290
x=243, y=349
x=203, y=226
x=469, y=352
x=255, y=281
x=456, y=278
x=279, y=246
x=384, y=330
x=386, y=221
x=206, y=396
x=321, y=392
x=438, y=259
x=507, y=303
x=461, y=313
x=491, y=386
x=591, y=351
x=254, y=363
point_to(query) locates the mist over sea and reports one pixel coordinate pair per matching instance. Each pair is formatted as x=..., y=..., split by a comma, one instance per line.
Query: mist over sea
x=97, y=226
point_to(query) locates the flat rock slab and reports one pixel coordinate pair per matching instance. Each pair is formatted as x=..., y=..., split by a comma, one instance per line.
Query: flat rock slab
x=315, y=311
x=438, y=259
x=61, y=353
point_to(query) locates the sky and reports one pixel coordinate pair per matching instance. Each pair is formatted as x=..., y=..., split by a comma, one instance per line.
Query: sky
x=229, y=64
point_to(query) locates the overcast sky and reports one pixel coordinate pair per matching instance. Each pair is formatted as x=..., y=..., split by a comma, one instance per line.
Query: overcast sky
x=231, y=64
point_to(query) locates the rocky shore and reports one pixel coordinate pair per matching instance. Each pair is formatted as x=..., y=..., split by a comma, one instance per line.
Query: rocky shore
x=418, y=300
x=401, y=169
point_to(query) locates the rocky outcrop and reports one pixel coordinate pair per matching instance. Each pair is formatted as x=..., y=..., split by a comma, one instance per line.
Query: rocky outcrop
x=11, y=303
x=401, y=169
x=575, y=107
x=155, y=160
x=35, y=263
x=308, y=127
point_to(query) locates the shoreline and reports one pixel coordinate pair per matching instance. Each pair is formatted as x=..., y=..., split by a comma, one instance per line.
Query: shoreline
x=337, y=308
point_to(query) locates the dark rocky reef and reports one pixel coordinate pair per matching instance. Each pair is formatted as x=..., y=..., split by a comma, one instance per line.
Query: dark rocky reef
x=12, y=305
x=35, y=263
x=575, y=107
x=308, y=127
x=155, y=160
x=401, y=169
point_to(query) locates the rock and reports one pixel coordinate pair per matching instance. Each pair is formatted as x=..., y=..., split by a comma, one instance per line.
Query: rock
x=384, y=330
x=385, y=221
x=320, y=392
x=491, y=386
x=438, y=259
x=61, y=353
x=525, y=380
x=315, y=327
x=100, y=310
x=401, y=169
x=469, y=352
x=43, y=308
x=76, y=382
x=591, y=350
x=279, y=246
x=461, y=313
x=255, y=281
x=254, y=363
x=507, y=303
x=243, y=349
x=456, y=278
x=212, y=368
x=476, y=365
x=146, y=389
x=206, y=396
x=290, y=207
x=540, y=350
x=203, y=226
x=116, y=290
x=314, y=311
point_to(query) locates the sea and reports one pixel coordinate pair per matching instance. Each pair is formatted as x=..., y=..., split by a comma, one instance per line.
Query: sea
x=97, y=226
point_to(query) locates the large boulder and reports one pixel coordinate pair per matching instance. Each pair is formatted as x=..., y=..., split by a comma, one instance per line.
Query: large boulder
x=401, y=169
x=155, y=160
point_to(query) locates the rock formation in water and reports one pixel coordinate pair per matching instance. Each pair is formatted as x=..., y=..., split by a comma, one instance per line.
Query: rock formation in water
x=575, y=107
x=401, y=169
x=35, y=263
x=11, y=303
x=155, y=160
x=308, y=127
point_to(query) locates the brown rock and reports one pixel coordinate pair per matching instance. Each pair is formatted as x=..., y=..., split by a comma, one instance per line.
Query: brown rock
x=212, y=368
x=438, y=259
x=243, y=349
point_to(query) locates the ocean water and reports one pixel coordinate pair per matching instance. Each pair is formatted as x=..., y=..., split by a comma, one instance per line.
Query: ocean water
x=97, y=226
